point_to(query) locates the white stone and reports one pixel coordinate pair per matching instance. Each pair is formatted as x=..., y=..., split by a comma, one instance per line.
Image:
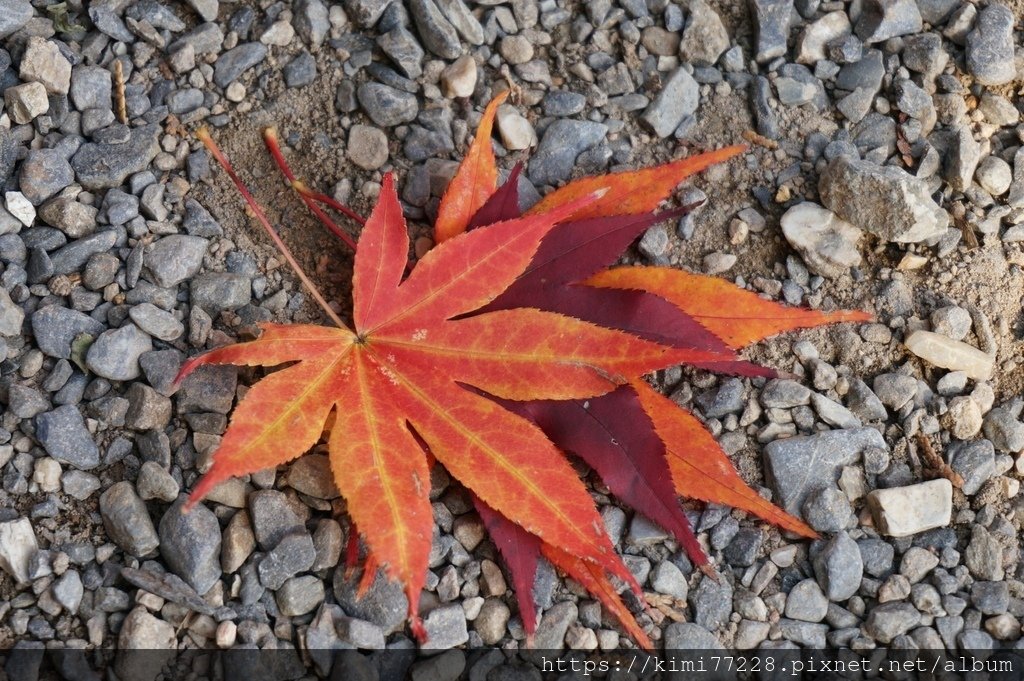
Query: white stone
x=17, y=546
x=26, y=101
x=819, y=34
x=46, y=474
x=994, y=175
x=235, y=92
x=140, y=642
x=459, y=79
x=717, y=263
x=43, y=63
x=280, y=34
x=903, y=511
x=516, y=132
x=911, y=261
x=1010, y=486
x=949, y=354
x=227, y=631
x=853, y=483
x=963, y=420
x=20, y=207
x=826, y=242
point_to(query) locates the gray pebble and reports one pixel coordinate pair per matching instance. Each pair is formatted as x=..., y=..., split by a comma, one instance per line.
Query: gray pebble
x=727, y=399
x=886, y=622
x=1004, y=430
x=190, y=544
x=990, y=598
x=550, y=633
x=877, y=556
x=385, y=105
x=300, y=595
x=384, y=604
x=300, y=71
x=403, y=50
x=115, y=353
x=563, y=141
x=690, y=636
x=828, y=510
x=175, y=258
x=771, y=20
x=883, y=19
x=990, y=46
x=446, y=627
x=711, y=602
x=838, y=567
x=68, y=591
x=677, y=99
x=127, y=520
x=156, y=483
x=563, y=103
x=63, y=435
x=44, y=172
x=311, y=21
x=806, y=602
x=746, y=544
x=216, y=291
x=236, y=61
x=800, y=465
x=100, y=166
x=436, y=32
x=974, y=461
x=13, y=15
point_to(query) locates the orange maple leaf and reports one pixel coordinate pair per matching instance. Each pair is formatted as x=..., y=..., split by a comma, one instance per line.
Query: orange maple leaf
x=398, y=373
x=469, y=360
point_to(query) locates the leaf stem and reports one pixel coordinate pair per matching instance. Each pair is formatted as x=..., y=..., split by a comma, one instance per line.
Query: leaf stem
x=310, y=197
x=204, y=136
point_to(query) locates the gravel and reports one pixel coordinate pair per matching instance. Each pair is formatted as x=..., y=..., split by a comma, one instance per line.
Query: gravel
x=15, y=14
x=563, y=141
x=18, y=545
x=677, y=99
x=838, y=567
x=123, y=253
x=127, y=521
x=190, y=545
x=64, y=436
x=800, y=465
x=101, y=165
x=857, y=191
x=232, y=64
x=44, y=172
x=990, y=57
x=115, y=353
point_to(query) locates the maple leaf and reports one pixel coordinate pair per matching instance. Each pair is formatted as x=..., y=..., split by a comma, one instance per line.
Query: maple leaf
x=642, y=445
x=399, y=373
x=506, y=346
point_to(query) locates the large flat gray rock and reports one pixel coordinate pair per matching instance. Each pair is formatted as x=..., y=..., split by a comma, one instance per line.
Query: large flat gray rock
x=800, y=465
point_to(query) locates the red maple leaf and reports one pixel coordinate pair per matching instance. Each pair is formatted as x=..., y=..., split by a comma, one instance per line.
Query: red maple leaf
x=505, y=347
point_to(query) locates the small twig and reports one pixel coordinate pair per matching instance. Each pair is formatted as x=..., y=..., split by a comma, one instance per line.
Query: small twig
x=515, y=90
x=760, y=140
x=666, y=605
x=935, y=461
x=204, y=137
x=122, y=109
x=310, y=197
